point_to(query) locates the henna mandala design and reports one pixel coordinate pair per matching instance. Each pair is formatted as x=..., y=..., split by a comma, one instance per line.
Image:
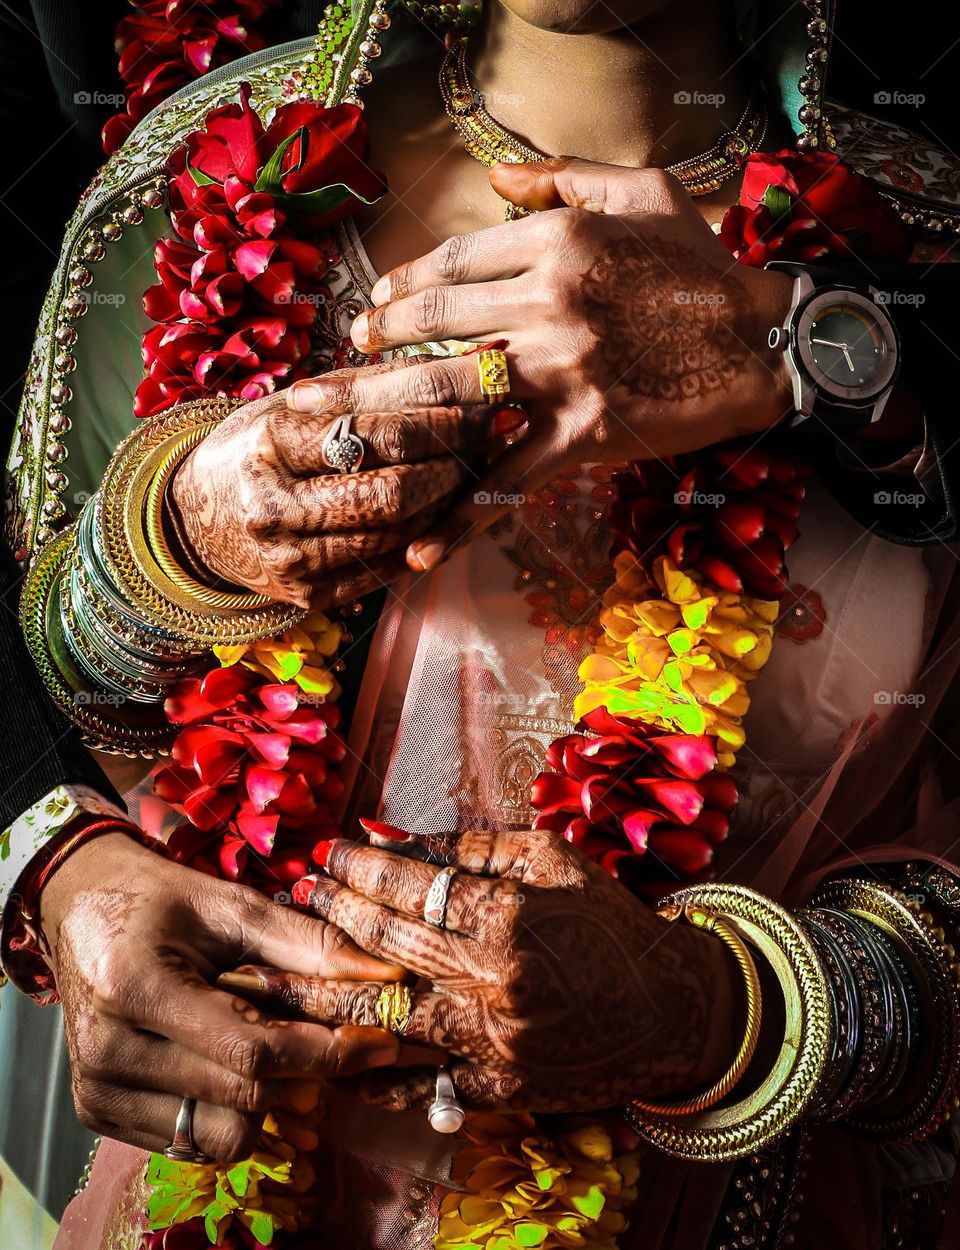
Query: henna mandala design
x=665, y=319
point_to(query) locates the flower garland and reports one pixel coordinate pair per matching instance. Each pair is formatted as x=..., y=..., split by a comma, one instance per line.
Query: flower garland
x=699, y=566
x=254, y=767
x=165, y=44
x=699, y=561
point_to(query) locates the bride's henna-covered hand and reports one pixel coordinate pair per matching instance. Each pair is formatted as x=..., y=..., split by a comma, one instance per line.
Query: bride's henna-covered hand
x=136, y=943
x=553, y=986
x=631, y=331
x=259, y=507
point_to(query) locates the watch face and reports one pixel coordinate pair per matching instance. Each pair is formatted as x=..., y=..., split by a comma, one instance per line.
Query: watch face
x=847, y=345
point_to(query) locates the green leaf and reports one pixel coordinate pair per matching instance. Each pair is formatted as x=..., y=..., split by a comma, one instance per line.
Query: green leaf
x=199, y=177
x=268, y=178
x=777, y=200
x=324, y=200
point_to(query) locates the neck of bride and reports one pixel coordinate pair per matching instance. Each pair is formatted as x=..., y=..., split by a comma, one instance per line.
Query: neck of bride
x=652, y=94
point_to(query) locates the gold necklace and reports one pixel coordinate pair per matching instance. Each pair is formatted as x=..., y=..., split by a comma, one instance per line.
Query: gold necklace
x=489, y=142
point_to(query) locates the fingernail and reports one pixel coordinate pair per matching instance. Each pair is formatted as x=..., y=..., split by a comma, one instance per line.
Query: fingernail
x=244, y=981
x=423, y=556
x=507, y=421
x=360, y=331
x=305, y=397
x=321, y=853
x=382, y=830
x=303, y=889
x=380, y=294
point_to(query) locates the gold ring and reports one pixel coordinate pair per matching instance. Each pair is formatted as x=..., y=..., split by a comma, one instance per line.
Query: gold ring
x=393, y=1008
x=494, y=373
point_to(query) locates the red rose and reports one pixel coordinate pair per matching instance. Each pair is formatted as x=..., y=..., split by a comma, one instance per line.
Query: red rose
x=325, y=158
x=810, y=207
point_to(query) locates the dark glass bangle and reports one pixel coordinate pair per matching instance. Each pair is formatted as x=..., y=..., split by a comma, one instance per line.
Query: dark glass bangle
x=847, y=1020
x=866, y=979
x=896, y=1001
x=911, y=1004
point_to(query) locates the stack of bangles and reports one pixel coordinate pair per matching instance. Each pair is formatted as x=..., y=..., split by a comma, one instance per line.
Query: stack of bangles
x=852, y=1013
x=129, y=614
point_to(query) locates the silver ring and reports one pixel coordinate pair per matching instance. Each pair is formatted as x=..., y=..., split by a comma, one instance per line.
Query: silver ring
x=445, y=1113
x=342, y=450
x=182, y=1149
x=435, y=906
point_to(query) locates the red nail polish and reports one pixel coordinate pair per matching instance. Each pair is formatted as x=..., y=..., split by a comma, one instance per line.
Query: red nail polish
x=303, y=889
x=507, y=421
x=385, y=831
x=321, y=852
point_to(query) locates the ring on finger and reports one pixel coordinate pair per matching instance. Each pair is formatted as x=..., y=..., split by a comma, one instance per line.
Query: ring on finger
x=183, y=1149
x=393, y=1008
x=435, y=905
x=342, y=450
x=445, y=1113
x=494, y=374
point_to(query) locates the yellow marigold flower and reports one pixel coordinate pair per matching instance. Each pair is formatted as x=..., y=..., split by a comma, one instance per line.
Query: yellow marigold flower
x=522, y=1189
x=299, y=655
x=681, y=660
x=265, y=1193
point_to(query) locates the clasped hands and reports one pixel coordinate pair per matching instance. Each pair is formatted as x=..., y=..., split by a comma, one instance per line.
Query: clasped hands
x=549, y=987
x=630, y=331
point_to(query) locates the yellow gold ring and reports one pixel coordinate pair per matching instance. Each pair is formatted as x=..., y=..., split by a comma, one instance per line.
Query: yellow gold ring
x=393, y=1008
x=494, y=374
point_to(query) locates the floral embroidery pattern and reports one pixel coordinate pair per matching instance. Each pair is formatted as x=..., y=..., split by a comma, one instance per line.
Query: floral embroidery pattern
x=802, y=614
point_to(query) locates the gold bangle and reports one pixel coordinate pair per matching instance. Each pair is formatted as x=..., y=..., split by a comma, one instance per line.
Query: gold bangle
x=719, y=1089
x=157, y=562
x=731, y=1130
x=123, y=544
x=144, y=731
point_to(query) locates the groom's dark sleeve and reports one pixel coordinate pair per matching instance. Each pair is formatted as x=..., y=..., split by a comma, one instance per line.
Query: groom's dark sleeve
x=924, y=301
x=39, y=748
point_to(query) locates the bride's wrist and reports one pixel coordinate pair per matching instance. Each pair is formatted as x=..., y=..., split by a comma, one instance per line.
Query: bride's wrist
x=179, y=518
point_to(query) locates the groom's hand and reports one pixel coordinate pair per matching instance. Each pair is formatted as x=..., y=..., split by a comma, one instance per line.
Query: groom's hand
x=553, y=988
